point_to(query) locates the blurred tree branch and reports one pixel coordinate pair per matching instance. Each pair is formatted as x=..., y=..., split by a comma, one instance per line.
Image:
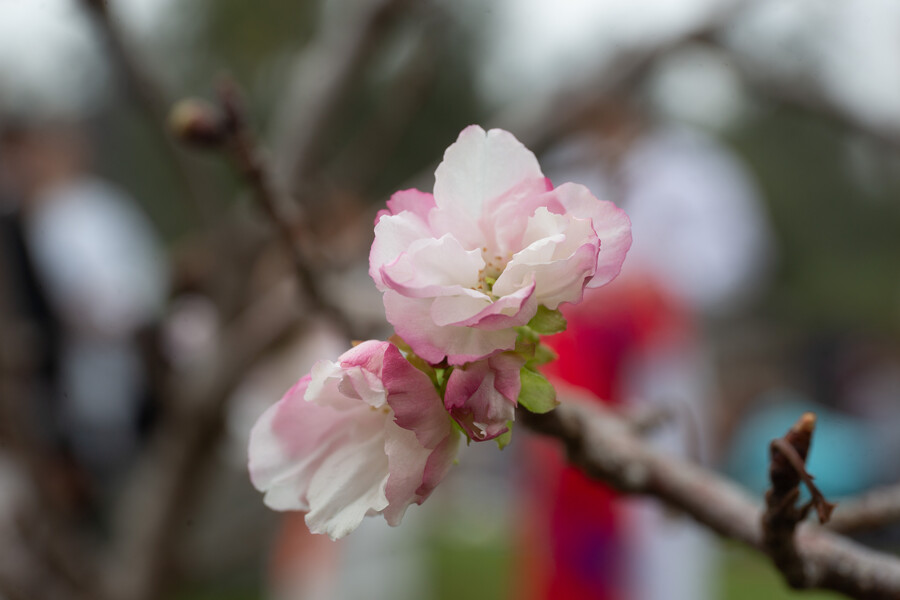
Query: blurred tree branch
x=873, y=509
x=154, y=101
x=806, y=95
x=318, y=86
x=226, y=127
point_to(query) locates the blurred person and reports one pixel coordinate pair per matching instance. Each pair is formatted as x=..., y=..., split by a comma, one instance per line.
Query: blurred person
x=701, y=246
x=29, y=325
x=98, y=262
x=29, y=358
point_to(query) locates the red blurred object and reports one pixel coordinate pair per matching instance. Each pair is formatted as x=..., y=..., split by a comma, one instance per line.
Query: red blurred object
x=572, y=534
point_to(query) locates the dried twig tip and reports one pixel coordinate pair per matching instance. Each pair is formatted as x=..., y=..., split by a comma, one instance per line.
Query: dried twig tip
x=806, y=423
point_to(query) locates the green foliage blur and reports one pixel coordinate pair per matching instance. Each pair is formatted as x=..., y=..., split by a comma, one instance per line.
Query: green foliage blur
x=837, y=228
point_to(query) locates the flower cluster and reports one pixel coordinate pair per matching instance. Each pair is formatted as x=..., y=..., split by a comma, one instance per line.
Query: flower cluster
x=472, y=276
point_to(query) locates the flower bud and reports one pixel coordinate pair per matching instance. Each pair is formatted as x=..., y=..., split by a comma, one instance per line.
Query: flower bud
x=198, y=123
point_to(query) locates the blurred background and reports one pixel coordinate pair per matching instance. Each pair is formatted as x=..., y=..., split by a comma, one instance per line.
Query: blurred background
x=149, y=312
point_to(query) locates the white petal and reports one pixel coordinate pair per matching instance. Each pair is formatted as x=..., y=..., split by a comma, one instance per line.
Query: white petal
x=325, y=387
x=289, y=442
x=364, y=385
x=349, y=484
x=407, y=459
x=447, y=310
x=510, y=310
x=560, y=258
x=434, y=267
x=394, y=234
x=480, y=166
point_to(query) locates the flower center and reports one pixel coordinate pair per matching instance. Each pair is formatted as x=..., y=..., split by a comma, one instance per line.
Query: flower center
x=494, y=263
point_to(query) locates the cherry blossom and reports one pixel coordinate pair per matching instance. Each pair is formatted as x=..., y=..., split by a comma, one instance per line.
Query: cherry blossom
x=461, y=268
x=365, y=435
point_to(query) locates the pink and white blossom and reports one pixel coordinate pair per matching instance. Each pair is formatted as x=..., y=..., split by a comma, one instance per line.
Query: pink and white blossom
x=365, y=435
x=482, y=396
x=461, y=268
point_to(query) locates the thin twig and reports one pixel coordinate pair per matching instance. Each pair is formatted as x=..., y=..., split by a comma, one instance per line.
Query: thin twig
x=539, y=124
x=247, y=156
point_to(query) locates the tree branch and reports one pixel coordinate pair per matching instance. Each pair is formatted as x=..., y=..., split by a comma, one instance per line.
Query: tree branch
x=871, y=510
x=606, y=448
x=226, y=127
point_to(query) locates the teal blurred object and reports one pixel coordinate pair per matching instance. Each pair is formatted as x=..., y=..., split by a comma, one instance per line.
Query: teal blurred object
x=844, y=458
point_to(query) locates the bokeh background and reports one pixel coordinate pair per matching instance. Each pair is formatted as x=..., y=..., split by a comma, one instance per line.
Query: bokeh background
x=149, y=313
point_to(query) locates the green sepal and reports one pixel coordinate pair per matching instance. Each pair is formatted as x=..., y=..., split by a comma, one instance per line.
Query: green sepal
x=441, y=377
x=504, y=439
x=541, y=355
x=526, y=335
x=400, y=343
x=422, y=365
x=458, y=428
x=537, y=394
x=530, y=348
x=547, y=322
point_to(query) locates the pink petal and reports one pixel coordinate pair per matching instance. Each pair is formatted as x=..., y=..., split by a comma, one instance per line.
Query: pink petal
x=369, y=355
x=506, y=367
x=481, y=396
x=330, y=447
x=454, y=310
x=439, y=462
x=414, y=399
x=505, y=218
x=412, y=319
x=414, y=201
x=612, y=225
x=422, y=446
x=429, y=468
x=406, y=463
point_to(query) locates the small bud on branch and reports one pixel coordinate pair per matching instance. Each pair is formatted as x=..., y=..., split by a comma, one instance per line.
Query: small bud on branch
x=198, y=123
